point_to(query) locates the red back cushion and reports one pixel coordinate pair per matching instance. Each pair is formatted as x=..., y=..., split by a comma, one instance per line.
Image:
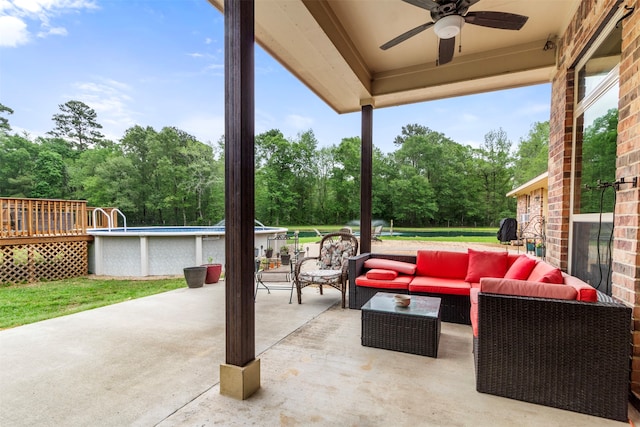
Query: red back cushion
x=521, y=268
x=389, y=264
x=380, y=274
x=527, y=289
x=486, y=264
x=445, y=264
x=546, y=273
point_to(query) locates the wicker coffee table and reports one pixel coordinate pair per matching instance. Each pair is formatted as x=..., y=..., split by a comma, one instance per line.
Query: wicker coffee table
x=414, y=329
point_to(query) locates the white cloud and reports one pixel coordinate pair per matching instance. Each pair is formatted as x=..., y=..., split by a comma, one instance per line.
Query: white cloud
x=55, y=31
x=111, y=101
x=533, y=109
x=468, y=117
x=16, y=17
x=206, y=128
x=50, y=6
x=299, y=122
x=13, y=31
x=264, y=121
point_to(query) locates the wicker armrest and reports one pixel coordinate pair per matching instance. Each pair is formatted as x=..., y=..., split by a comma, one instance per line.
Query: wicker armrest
x=566, y=354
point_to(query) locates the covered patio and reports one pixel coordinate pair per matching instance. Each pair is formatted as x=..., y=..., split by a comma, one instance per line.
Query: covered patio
x=153, y=361
x=334, y=47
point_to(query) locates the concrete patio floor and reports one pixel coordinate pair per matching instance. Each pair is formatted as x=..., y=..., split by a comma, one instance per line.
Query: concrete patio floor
x=155, y=361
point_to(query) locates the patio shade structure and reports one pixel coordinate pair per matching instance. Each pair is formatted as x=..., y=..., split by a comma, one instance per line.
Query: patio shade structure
x=333, y=47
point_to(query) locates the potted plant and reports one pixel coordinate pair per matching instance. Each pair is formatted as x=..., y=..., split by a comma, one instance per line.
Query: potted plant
x=540, y=250
x=284, y=255
x=213, y=271
x=531, y=246
x=195, y=276
x=268, y=252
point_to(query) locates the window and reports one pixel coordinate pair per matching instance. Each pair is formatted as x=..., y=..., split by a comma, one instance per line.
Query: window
x=594, y=160
x=596, y=128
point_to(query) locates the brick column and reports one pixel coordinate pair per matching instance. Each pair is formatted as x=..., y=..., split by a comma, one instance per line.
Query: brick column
x=560, y=146
x=626, y=259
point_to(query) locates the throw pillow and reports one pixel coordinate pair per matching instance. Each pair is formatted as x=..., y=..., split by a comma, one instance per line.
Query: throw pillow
x=521, y=268
x=485, y=264
x=389, y=264
x=380, y=274
x=444, y=264
x=546, y=273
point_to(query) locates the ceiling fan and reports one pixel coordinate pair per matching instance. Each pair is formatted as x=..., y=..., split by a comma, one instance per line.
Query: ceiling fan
x=448, y=18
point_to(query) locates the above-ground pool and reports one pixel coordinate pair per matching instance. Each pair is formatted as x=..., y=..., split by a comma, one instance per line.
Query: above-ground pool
x=159, y=251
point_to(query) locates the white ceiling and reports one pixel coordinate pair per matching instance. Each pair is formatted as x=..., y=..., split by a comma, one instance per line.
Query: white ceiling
x=332, y=46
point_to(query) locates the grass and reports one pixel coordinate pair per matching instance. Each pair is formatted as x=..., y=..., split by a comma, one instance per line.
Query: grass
x=23, y=304
x=446, y=231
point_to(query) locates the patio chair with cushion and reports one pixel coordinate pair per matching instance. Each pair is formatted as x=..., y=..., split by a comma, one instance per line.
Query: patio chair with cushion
x=330, y=267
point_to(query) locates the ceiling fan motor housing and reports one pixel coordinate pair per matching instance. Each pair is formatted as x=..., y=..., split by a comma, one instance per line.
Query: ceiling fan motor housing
x=448, y=26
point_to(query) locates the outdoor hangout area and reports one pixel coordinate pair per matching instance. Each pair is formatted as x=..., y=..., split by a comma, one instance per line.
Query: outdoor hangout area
x=154, y=361
x=358, y=329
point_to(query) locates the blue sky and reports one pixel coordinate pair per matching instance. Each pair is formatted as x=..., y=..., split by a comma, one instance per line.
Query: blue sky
x=160, y=63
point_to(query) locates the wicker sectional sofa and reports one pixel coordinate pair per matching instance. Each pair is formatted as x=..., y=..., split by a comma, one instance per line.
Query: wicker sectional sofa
x=539, y=335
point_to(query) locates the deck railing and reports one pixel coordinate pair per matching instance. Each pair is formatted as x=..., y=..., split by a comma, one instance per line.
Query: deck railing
x=42, y=217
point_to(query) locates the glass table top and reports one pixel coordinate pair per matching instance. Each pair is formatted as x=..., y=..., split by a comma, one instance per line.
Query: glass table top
x=419, y=306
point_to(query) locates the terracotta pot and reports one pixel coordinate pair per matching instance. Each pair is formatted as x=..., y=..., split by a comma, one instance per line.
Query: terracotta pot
x=195, y=276
x=213, y=273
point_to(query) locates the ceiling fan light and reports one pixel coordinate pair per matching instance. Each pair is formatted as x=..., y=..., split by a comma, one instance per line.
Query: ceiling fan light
x=449, y=26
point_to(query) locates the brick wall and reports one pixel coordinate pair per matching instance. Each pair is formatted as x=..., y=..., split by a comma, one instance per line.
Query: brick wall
x=626, y=258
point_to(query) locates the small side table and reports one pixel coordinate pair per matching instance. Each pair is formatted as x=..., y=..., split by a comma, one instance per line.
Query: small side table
x=414, y=329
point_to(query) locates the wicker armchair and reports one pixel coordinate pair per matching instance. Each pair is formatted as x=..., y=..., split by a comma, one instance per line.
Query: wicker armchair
x=330, y=267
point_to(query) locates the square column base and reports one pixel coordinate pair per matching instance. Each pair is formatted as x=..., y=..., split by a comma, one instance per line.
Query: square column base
x=240, y=382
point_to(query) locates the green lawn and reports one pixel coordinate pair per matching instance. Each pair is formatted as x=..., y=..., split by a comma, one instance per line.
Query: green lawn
x=449, y=234
x=22, y=304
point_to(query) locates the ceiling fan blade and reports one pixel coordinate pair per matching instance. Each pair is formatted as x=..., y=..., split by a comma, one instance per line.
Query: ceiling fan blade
x=445, y=50
x=425, y=4
x=500, y=20
x=404, y=36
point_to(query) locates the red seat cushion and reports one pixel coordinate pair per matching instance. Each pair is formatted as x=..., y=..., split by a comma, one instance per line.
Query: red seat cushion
x=445, y=264
x=400, y=282
x=521, y=268
x=389, y=264
x=380, y=274
x=486, y=264
x=439, y=285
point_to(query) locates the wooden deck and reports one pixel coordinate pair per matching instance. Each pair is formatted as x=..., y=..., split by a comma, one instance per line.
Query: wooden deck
x=45, y=239
x=42, y=217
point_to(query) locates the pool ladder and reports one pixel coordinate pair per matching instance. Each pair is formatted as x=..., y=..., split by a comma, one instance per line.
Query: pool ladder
x=111, y=217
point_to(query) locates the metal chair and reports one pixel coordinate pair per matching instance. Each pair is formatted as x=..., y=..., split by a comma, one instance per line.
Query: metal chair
x=330, y=267
x=376, y=232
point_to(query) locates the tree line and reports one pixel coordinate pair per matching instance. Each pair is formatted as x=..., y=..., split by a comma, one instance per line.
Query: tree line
x=168, y=177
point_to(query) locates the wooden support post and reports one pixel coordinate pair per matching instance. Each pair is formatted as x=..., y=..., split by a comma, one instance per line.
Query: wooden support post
x=239, y=202
x=366, y=177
